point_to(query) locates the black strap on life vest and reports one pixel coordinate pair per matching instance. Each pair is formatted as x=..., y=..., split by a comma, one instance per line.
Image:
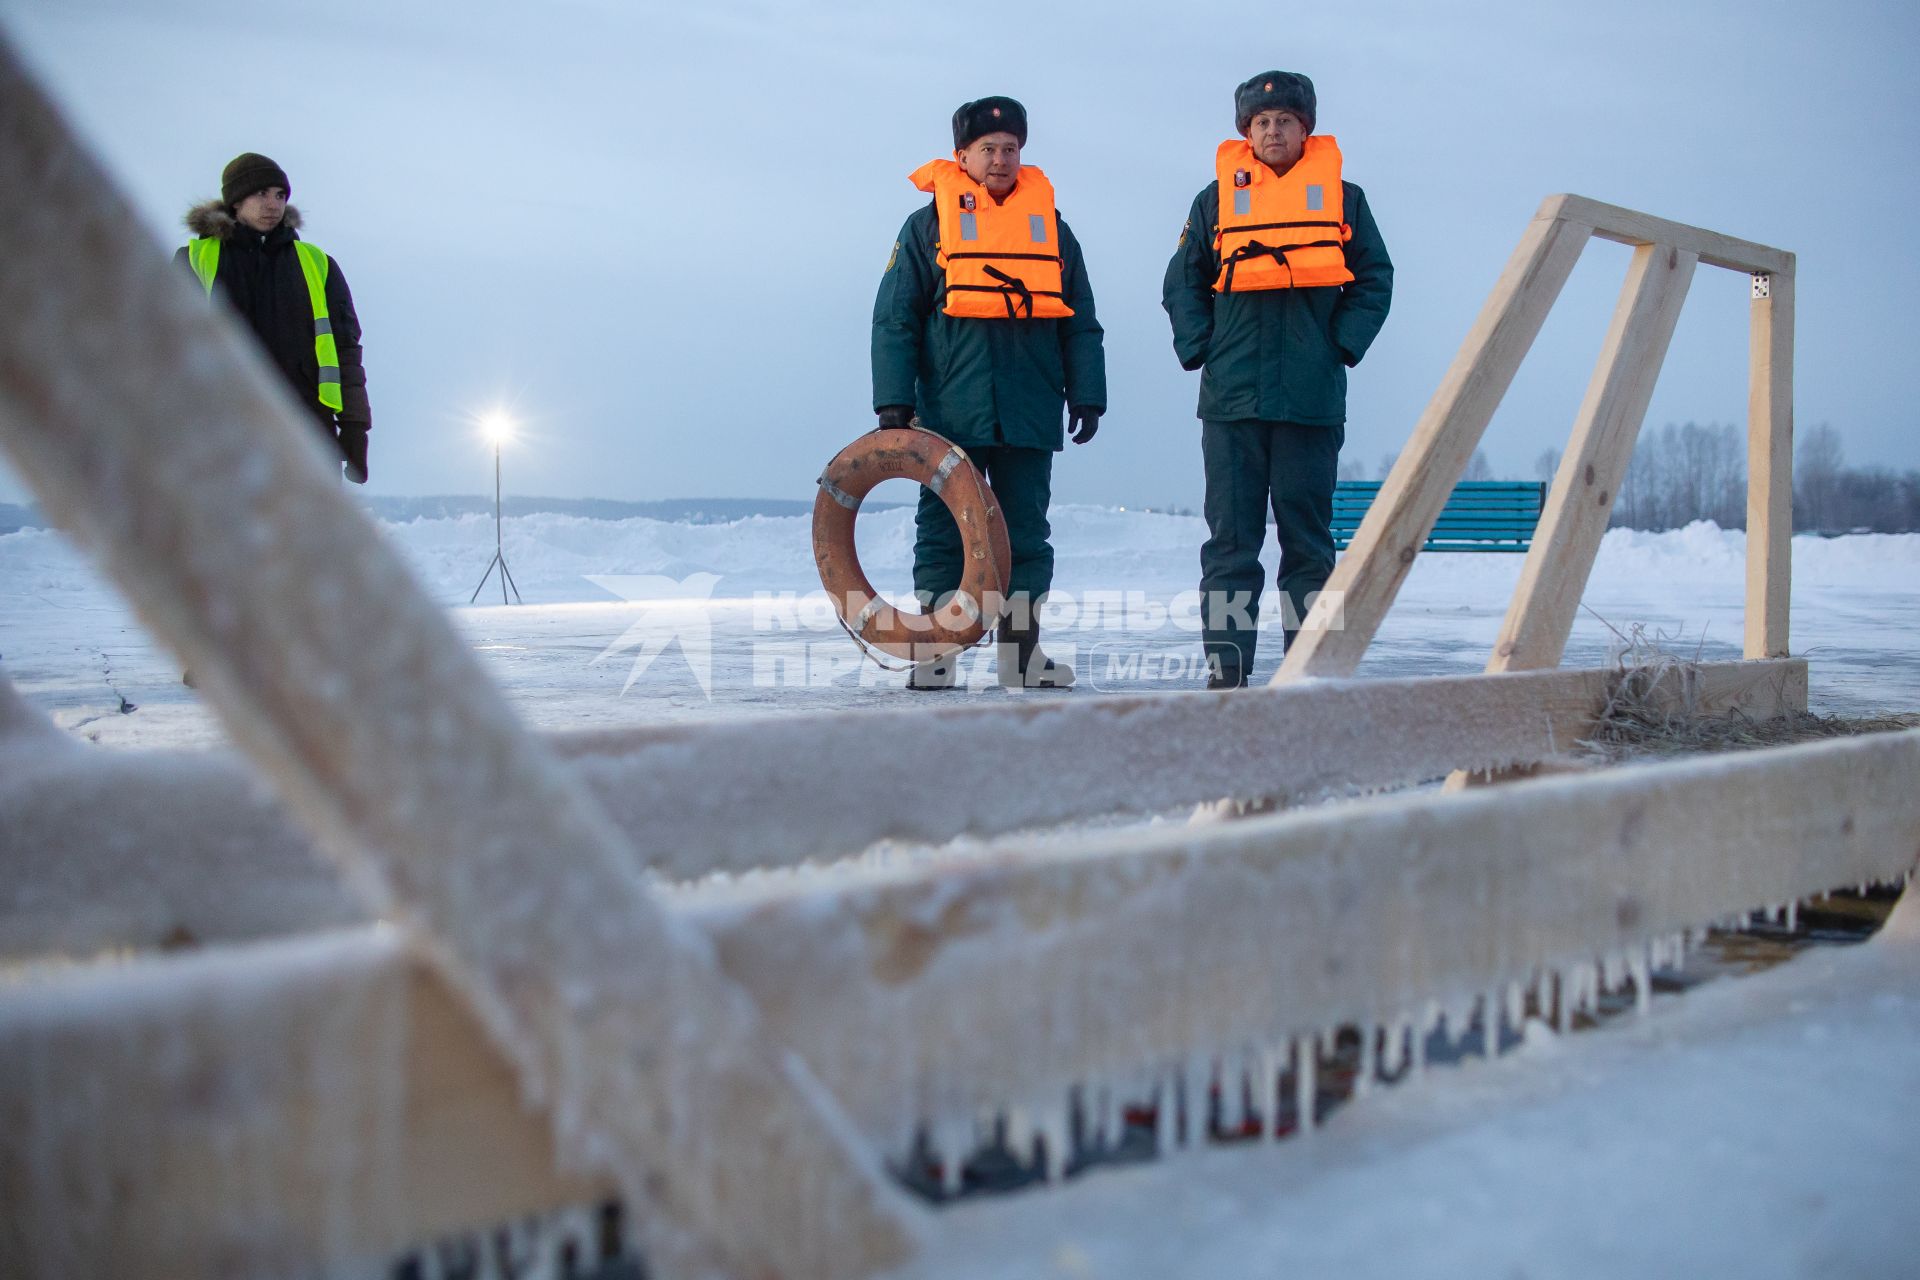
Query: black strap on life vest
x=1030, y=257
x=1278, y=252
x=1276, y=226
x=1010, y=287
x=1255, y=249
x=1017, y=286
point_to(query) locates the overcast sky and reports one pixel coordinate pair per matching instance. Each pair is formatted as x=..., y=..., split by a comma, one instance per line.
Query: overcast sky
x=654, y=231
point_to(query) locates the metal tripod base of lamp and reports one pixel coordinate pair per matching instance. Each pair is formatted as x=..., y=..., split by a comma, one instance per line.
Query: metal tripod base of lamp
x=506, y=580
x=499, y=543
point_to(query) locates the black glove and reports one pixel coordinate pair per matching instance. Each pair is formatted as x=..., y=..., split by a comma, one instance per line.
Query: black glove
x=893, y=417
x=1082, y=422
x=353, y=448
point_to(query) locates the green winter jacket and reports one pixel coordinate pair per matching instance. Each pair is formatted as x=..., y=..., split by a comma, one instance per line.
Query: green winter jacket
x=1276, y=354
x=983, y=382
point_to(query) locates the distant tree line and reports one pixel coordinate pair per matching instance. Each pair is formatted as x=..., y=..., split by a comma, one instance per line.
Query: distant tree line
x=1686, y=472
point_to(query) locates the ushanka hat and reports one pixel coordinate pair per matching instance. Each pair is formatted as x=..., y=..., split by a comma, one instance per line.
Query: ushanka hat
x=1273, y=91
x=988, y=115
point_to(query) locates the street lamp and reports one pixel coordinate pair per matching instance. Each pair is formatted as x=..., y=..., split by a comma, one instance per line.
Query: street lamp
x=497, y=428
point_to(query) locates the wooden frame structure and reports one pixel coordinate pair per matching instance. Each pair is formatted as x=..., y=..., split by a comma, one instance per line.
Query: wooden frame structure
x=1366, y=580
x=447, y=975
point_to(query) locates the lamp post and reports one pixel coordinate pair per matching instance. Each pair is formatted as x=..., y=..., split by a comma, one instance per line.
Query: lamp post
x=498, y=428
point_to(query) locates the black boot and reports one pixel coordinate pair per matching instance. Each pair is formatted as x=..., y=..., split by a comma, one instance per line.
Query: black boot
x=934, y=674
x=1222, y=676
x=1023, y=666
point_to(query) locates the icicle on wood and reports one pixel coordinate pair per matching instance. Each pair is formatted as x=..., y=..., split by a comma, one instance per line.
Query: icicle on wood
x=1613, y=972
x=1017, y=1124
x=1394, y=1059
x=1642, y=980
x=1272, y=1064
x=1056, y=1127
x=1196, y=1077
x=1429, y=1024
x=952, y=1142
x=1233, y=1093
x=1306, y=1051
x=1166, y=1129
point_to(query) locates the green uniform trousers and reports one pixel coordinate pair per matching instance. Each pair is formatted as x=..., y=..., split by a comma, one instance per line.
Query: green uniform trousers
x=1022, y=481
x=1253, y=465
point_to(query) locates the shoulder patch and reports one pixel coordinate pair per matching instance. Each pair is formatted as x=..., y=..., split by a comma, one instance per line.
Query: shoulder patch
x=894, y=256
x=1185, y=228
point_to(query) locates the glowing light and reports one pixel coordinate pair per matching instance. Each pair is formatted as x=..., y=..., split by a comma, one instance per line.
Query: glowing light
x=496, y=428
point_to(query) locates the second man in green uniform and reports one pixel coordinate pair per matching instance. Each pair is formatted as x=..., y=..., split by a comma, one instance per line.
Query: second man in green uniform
x=1279, y=285
x=984, y=330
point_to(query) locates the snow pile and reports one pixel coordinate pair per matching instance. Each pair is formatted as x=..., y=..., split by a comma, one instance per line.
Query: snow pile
x=1123, y=614
x=1096, y=548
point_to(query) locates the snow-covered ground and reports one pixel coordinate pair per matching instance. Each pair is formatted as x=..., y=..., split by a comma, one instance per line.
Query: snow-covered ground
x=728, y=617
x=1759, y=1127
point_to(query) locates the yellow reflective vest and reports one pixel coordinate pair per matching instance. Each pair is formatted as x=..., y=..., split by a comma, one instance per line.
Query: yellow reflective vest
x=203, y=255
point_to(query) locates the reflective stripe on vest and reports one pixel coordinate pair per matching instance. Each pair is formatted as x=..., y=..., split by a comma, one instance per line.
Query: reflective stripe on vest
x=1001, y=261
x=203, y=256
x=1280, y=231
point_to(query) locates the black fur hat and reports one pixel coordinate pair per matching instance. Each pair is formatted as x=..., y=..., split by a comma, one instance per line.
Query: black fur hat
x=988, y=115
x=1273, y=91
x=249, y=172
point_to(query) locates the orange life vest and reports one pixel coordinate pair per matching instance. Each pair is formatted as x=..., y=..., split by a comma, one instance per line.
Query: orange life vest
x=1002, y=261
x=1280, y=231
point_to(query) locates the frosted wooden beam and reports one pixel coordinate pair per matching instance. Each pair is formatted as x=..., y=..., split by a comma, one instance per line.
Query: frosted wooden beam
x=150, y=428
x=1594, y=466
x=1016, y=977
x=148, y=1106
x=326, y=1101
x=125, y=848
x=1089, y=757
x=1770, y=465
x=1368, y=576
x=1629, y=226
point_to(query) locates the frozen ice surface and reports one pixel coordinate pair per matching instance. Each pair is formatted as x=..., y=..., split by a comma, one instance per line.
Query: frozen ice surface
x=565, y=658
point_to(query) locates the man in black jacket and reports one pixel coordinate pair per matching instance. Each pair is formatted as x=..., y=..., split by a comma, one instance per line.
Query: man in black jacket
x=293, y=296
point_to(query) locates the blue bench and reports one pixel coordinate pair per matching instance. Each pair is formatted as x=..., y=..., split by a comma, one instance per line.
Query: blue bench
x=1480, y=515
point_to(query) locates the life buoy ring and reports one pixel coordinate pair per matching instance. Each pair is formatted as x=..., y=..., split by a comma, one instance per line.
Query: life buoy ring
x=943, y=467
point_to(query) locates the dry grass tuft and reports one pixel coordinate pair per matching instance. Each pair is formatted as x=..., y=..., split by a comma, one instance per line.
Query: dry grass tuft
x=1653, y=710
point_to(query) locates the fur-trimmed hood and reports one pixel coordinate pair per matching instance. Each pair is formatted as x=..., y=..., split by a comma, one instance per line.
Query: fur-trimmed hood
x=214, y=220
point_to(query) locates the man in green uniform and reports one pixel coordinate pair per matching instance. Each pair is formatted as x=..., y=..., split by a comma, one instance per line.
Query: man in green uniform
x=1274, y=323
x=990, y=363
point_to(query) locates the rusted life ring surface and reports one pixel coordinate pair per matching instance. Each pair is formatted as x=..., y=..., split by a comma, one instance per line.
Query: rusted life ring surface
x=943, y=467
